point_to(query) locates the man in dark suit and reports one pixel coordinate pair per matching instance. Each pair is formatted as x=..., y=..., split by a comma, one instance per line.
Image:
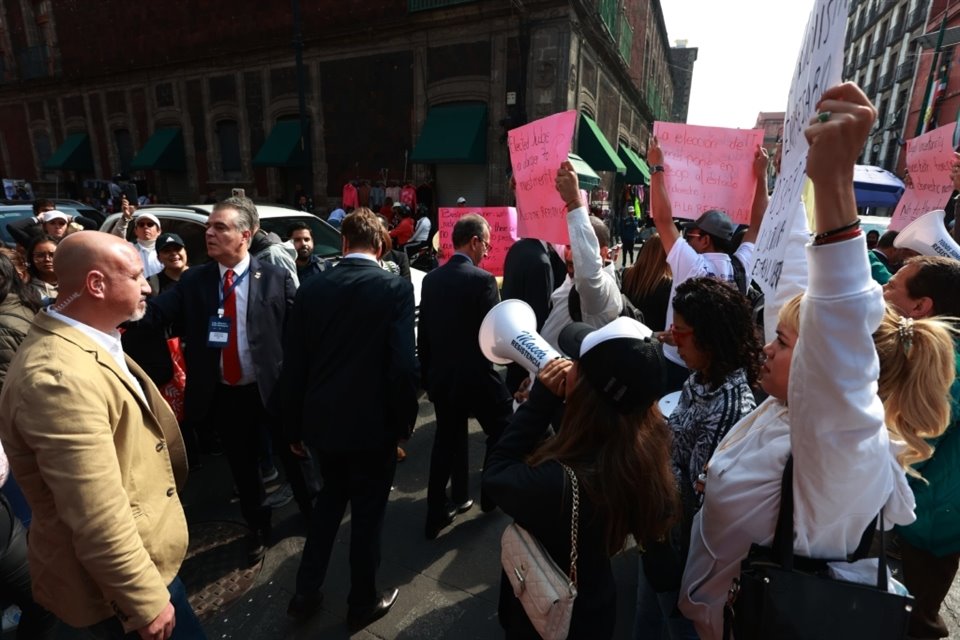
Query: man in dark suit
x=459, y=379
x=531, y=272
x=231, y=314
x=350, y=394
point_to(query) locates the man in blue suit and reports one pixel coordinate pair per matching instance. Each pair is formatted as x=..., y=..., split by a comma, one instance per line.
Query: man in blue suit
x=461, y=382
x=350, y=394
x=231, y=313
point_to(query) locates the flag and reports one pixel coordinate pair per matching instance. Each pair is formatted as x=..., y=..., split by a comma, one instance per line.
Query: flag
x=939, y=89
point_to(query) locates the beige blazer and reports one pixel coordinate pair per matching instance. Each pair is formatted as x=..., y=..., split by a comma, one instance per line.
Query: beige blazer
x=101, y=470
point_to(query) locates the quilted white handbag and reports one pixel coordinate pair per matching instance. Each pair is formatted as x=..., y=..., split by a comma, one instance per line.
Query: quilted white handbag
x=546, y=592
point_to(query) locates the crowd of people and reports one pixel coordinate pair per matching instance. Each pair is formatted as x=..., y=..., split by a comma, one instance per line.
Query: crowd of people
x=119, y=362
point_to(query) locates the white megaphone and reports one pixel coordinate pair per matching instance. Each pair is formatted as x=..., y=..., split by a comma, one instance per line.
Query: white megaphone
x=928, y=236
x=509, y=334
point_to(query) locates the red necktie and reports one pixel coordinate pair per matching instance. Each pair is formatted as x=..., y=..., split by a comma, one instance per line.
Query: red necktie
x=231, y=355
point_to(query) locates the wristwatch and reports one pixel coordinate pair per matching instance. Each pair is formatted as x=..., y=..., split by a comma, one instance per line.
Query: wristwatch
x=657, y=168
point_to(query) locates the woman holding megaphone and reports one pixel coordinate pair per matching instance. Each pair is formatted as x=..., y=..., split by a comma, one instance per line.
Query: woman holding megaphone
x=614, y=440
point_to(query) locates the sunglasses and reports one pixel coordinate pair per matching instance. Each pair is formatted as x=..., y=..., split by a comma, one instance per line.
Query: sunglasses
x=146, y=223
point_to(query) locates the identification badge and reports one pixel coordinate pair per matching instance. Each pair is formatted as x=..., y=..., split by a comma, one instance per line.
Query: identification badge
x=218, y=334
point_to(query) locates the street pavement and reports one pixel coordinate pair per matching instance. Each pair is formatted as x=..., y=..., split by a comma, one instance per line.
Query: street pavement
x=448, y=586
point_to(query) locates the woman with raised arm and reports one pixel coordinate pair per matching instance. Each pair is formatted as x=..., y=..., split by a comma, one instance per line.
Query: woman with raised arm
x=821, y=374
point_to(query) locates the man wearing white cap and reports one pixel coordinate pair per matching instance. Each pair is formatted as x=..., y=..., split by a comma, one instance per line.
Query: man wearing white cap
x=146, y=228
x=461, y=201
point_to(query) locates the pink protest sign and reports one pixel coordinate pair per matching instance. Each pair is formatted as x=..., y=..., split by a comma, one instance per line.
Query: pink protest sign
x=929, y=158
x=503, y=233
x=708, y=168
x=536, y=151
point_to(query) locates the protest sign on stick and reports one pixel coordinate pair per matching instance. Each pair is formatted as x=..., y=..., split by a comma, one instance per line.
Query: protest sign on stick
x=536, y=151
x=503, y=233
x=708, y=168
x=929, y=158
x=819, y=66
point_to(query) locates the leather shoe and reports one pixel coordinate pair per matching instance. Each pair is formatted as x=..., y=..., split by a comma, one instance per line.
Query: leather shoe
x=436, y=524
x=304, y=605
x=258, y=542
x=360, y=617
x=463, y=507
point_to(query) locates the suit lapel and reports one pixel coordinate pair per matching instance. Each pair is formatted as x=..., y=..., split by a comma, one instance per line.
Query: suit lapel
x=254, y=291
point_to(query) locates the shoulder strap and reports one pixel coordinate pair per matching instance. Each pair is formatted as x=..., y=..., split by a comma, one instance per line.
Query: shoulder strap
x=573, y=305
x=574, y=522
x=739, y=274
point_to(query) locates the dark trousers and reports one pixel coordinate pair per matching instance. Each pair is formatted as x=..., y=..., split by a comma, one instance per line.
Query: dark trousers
x=627, y=249
x=236, y=414
x=363, y=479
x=187, y=625
x=449, y=460
x=928, y=577
x=35, y=621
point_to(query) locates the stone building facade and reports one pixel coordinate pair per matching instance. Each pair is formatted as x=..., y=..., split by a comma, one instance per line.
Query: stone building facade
x=200, y=97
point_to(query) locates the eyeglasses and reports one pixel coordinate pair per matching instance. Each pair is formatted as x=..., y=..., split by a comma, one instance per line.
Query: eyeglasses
x=146, y=223
x=679, y=334
x=43, y=256
x=486, y=245
x=692, y=234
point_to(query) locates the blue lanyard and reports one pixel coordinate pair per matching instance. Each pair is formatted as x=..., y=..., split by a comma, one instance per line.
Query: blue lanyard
x=225, y=295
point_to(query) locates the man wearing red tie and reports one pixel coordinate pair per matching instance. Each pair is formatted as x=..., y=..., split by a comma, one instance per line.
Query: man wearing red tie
x=231, y=313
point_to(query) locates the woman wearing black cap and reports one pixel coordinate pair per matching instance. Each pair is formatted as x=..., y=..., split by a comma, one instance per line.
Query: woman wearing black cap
x=614, y=439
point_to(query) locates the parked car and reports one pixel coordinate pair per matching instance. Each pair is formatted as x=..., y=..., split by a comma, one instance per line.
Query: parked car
x=13, y=212
x=190, y=223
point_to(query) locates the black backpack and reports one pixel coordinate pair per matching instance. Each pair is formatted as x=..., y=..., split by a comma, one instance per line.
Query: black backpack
x=576, y=313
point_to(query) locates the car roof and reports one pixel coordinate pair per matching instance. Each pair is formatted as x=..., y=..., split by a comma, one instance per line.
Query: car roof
x=264, y=210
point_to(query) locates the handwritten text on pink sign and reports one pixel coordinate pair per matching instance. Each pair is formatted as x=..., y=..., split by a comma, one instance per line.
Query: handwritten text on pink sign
x=536, y=151
x=929, y=158
x=708, y=168
x=503, y=233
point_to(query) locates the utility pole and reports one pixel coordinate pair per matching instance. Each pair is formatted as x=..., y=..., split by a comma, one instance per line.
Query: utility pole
x=305, y=137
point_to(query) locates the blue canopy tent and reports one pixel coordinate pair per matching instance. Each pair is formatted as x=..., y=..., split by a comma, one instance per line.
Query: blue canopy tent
x=876, y=187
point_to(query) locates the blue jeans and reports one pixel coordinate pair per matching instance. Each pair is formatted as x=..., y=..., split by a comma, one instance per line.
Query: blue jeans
x=187, y=625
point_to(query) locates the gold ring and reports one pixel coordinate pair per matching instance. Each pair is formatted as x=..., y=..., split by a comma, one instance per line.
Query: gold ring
x=823, y=116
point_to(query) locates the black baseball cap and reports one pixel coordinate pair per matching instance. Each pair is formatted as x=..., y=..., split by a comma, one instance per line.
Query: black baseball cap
x=620, y=361
x=169, y=240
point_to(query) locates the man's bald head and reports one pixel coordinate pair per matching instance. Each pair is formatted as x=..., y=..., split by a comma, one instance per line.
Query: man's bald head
x=85, y=251
x=101, y=280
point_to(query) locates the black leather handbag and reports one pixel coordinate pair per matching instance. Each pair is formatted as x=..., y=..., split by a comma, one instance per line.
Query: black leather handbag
x=788, y=597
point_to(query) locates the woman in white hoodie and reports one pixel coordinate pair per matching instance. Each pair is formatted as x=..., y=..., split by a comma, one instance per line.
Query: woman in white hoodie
x=821, y=374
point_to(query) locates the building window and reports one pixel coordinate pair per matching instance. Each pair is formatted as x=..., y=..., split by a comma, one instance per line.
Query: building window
x=228, y=138
x=124, y=149
x=42, y=147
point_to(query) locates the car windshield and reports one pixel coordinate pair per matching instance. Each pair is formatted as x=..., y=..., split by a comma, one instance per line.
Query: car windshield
x=326, y=239
x=11, y=214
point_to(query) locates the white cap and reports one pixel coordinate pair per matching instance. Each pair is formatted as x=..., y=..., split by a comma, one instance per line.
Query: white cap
x=622, y=327
x=461, y=200
x=148, y=216
x=47, y=216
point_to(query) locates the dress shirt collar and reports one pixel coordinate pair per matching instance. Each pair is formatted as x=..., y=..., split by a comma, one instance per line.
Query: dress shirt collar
x=238, y=269
x=365, y=256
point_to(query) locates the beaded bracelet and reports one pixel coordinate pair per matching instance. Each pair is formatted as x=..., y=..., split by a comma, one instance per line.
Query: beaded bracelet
x=827, y=236
x=837, y=237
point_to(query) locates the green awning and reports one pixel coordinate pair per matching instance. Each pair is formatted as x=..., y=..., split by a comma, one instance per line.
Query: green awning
x=637, y=170
x=283, y=146
x=453, y=134
x=587, y=177
x=164, y=151
x=73, y=155
x=594, y=148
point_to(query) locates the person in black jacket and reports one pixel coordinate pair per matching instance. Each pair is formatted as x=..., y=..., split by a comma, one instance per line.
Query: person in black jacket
x=617, y=443
x=460, y=381
x=349, y=385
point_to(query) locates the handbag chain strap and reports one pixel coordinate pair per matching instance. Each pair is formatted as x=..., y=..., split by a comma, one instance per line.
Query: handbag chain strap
x=574, y=523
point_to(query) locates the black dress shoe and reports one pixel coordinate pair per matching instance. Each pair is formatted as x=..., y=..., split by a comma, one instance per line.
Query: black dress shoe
x=360, y=617
x=463, y=507
x=304, y=605
x=258, y=543
x=436, y=524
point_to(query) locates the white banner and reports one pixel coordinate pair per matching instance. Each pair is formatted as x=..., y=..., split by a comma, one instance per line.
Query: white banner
x=819, y=66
